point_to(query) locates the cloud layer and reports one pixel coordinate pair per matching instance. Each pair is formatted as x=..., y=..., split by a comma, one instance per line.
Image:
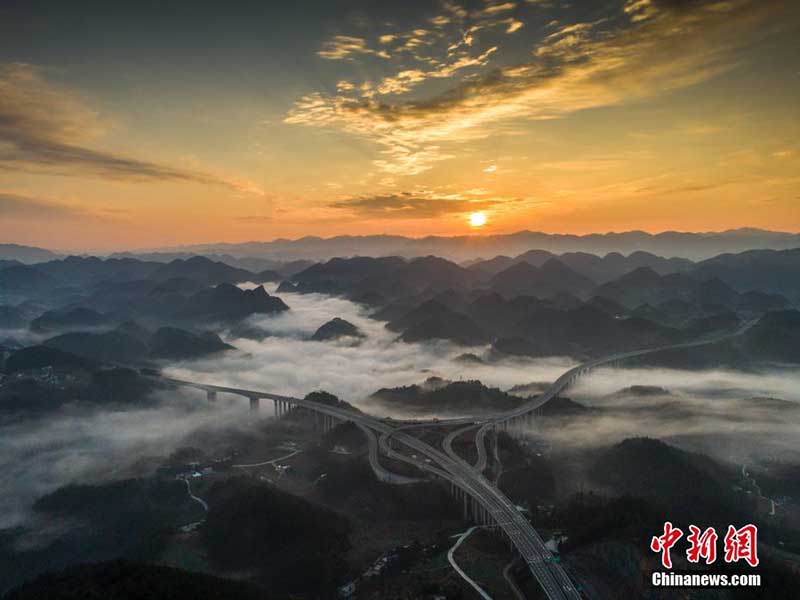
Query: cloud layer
x=38, y=456
x=416, y=205
x=15, y=206
x=646, y=47
x=46, y=127
x=289, y=364
x=723, y=413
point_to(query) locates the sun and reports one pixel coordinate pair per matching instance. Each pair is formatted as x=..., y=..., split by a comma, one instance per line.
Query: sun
x=477, y=219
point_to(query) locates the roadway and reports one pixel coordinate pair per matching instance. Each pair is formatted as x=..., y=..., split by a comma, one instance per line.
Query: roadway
x=489, y=504
x=451, y=559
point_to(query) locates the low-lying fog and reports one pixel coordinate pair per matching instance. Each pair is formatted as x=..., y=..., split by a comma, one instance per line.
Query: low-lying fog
x=711, y=407
x=37, y=456
x=732, y=416
x=287, y=363
x=78, y=445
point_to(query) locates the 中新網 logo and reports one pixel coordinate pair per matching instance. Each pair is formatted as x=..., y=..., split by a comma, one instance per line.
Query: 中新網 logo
x=738, y=544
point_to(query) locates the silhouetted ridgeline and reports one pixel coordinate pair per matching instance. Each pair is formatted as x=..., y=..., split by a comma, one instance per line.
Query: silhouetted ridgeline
x=688, y=245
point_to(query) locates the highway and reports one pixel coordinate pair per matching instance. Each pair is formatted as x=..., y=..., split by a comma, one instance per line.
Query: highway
x=381, y=473
x=482, y=500
x=573, y=374
x=447, y=444
x=487, y=504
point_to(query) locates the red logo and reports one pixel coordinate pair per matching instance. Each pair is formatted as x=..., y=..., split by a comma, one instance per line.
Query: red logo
x=665, y=542
x=740, y=544
x=702, y=545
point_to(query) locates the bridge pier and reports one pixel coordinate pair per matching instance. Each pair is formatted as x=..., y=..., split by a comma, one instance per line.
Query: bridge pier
x=211, y=395
x=329, y=423
x=254, y=402
x=281, y=407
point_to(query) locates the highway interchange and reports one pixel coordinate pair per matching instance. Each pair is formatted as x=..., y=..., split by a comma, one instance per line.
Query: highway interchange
x=482, y=501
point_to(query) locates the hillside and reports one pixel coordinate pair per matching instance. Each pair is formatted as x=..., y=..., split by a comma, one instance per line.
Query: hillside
x=449, y=396
x=252, y=525
x=691, y=485
x=128, y=580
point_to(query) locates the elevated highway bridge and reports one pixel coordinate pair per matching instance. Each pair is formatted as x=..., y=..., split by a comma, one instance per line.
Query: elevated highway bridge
x=482, y=501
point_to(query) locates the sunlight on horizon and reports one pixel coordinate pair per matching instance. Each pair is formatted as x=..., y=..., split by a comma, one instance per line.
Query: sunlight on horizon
x=477, y=219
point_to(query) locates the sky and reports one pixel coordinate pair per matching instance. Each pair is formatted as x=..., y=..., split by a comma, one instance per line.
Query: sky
x=140, y=125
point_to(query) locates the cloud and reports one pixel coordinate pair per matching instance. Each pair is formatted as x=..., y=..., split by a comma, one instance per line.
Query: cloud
x=783, y=154
x=413, y=206
x=405, y=80
x=37, y=456
x=255, y=218
x=454, y=9
x=716, y=411
x=14, y=206
x=45, y=127
x=513, y=25
x=645, y=9
x=343, y=47
x=495, y=7
x=350, y=372
x=716, y=401
x=654, y=48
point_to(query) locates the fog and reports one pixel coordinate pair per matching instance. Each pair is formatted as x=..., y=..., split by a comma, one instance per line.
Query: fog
x=287, y=363
x=704, y=410
x=733, y=416
x=20, y=336
x=40, y=455
x=783, y=384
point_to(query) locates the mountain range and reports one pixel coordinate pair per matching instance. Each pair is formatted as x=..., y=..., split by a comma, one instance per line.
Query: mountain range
x=695, y=246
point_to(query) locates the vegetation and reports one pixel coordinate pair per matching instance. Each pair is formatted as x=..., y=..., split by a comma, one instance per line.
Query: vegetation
x=252, y=525
x=439, y=395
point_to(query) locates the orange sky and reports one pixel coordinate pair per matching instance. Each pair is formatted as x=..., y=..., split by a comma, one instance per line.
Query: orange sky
x=640, y=114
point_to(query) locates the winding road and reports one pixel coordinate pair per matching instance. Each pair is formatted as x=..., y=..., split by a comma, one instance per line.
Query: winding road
x=461, y=539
